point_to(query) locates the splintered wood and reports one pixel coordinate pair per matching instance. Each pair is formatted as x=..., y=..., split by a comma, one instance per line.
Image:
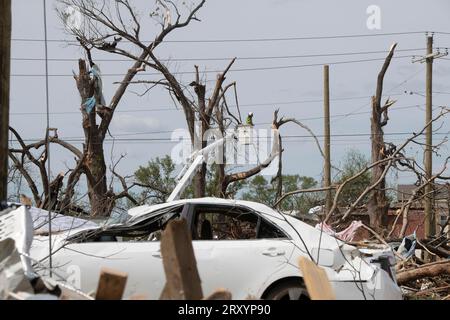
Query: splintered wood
x=111, y=285
x=180, y=266
x=316, y=280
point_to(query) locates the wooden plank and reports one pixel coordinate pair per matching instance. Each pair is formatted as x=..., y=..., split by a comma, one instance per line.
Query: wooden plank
x=316, y=280
x=139, y=297
x=180, y=266
x=219, y=294
x=164, y=293
x=111, y=284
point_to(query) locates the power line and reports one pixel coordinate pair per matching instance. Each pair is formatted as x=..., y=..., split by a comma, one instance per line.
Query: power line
x=231, y=70
x=354, y=113
x=256, y=124
x=229, y=58
x=81, y=140
x=266, y=123
x=248, y=105
x=390, y=90
x=343, y=36
x=167, y=108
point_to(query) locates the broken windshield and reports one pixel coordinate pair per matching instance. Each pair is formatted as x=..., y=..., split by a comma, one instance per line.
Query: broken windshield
x=144, y=227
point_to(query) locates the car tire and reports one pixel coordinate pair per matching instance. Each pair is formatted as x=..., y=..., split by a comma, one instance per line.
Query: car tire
x=288, y=290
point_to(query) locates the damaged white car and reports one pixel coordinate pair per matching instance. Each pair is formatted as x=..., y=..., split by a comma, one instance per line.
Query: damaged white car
x=245, y=247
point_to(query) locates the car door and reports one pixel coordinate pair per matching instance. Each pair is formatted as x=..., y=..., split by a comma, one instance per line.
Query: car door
x=240, y=251
x=80, y=263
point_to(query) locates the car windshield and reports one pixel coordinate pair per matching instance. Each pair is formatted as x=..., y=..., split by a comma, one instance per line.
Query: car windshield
x=117, y=218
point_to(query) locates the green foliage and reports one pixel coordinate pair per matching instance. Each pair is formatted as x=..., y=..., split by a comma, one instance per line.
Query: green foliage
x=261, y=190
x=354, y=162
x=157, y=179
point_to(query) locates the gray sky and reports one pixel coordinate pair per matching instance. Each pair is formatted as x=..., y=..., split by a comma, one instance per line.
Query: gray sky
x=260, y=91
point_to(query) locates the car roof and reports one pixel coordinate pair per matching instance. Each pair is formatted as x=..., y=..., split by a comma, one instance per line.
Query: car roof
x=147, y=209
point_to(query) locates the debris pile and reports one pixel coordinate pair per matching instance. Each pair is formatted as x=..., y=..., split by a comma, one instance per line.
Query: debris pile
x=421, y=280
x=18, y=281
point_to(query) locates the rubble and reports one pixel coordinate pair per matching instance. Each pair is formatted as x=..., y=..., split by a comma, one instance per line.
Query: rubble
x=18, y=281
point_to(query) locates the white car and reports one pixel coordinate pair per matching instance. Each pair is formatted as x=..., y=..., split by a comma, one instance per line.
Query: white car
x=245, y=247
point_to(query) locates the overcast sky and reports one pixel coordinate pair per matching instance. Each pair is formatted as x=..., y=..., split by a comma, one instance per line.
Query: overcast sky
x=296, y=90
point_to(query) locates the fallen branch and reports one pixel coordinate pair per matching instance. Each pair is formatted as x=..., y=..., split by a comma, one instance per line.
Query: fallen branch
x=426, y=270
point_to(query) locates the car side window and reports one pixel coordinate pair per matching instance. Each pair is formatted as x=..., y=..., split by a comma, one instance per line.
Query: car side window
x=224, y=223
x=269, y=231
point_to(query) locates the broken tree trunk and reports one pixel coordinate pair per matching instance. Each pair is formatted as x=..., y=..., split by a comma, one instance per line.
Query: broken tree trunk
x=426, y=270
x=180, y=266
x=94, y=160
x=378, y=204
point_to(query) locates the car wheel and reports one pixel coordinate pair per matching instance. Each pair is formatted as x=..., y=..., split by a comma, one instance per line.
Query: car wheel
x=290, y=290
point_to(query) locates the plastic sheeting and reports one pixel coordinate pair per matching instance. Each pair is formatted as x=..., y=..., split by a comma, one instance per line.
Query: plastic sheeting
x=345, y=235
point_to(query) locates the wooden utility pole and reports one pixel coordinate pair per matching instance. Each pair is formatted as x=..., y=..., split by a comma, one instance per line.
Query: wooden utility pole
x=430, y=217
x=326, y=112
x=5, y=55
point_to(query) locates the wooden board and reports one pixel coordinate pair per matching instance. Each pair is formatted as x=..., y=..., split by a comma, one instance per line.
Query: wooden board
x=111, y=284
x=180, y=266
x=316, y=280
x=220, y=294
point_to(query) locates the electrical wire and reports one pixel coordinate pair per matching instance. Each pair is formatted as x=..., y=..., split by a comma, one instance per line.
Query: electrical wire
x=387, y=93
x=81, y=139
x=231, y=70
x=162, y=108
x=229, y=58
x=275, y=39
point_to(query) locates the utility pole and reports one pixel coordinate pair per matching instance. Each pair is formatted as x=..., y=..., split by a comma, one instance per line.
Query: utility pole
x=5, y=55
x=430, y=215
x=326, y=111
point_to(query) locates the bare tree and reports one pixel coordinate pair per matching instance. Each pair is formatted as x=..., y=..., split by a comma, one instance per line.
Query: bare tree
x=105, y=31
x=104, y=27
x=378, y=204
x=277, y=123
x=396, y=158
x=48, y=199
x=115, y=27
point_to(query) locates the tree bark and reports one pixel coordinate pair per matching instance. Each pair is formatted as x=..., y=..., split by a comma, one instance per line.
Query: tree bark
x=426, y=270
x=378, y=204
x=94, y=161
